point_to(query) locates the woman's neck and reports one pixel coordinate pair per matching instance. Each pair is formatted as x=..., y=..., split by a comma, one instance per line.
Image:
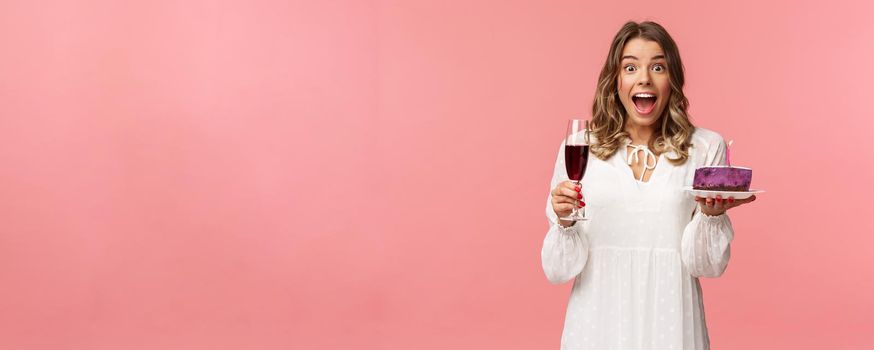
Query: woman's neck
x=640, y=135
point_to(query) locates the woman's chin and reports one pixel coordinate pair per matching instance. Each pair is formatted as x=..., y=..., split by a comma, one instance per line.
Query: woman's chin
x=643, y=119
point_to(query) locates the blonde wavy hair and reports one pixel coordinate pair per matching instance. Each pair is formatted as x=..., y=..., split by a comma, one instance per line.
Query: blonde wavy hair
x=609, y=116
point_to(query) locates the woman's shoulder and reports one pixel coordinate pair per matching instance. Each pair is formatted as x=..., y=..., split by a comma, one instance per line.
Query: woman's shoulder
x=705, y=138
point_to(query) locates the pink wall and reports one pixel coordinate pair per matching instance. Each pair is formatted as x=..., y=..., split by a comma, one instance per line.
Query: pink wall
x=372, y=174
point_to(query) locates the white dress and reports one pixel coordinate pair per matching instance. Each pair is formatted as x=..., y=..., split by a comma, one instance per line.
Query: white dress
x=636, y=262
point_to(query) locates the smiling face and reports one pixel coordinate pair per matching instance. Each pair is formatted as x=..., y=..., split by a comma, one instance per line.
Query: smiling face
x=643, y=81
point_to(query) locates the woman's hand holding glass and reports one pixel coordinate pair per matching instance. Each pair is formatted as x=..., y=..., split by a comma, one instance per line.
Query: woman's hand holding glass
x=565, y=197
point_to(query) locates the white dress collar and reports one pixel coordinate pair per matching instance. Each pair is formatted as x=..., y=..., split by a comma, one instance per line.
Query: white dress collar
x=633, y=157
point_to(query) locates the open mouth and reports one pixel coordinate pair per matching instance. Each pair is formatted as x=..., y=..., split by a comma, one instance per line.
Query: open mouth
x=644, y=102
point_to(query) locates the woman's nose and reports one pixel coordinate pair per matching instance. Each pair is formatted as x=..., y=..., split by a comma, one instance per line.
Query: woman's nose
x=644, y=80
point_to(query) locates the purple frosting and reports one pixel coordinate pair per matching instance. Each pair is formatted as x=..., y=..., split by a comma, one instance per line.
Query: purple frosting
x=723, y=178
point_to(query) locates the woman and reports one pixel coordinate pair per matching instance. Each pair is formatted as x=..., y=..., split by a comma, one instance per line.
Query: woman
x=637, y=261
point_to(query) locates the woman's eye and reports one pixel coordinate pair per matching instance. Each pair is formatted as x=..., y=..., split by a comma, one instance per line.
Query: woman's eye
x=658, y=68
x=629, y=68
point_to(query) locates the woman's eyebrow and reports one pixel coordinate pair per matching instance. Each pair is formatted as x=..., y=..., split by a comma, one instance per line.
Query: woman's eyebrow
x=656, y=57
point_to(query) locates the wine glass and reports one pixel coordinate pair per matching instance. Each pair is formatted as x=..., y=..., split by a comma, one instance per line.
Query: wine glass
x=576, y=156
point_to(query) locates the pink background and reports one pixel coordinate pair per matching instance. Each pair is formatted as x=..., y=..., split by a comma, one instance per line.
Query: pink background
x=372, y=174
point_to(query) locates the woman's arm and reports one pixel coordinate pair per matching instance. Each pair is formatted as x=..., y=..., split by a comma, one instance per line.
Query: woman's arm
x=705, y=247
x=565, y=249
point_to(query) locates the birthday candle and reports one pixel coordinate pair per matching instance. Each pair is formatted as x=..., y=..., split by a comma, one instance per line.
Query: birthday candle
x=728, y=153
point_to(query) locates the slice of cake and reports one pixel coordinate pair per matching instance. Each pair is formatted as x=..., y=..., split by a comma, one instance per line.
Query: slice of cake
x=723, y=178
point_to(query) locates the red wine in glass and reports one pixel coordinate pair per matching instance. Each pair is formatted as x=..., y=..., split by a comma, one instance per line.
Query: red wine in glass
x=576, y=157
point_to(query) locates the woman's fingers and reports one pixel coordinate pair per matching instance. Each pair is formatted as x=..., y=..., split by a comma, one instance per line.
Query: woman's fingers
x=565, y=197
x=720, y=204
x=738, y=202
x=562, y=194
x=563, y=208
x=570, y=193
x=569, y=190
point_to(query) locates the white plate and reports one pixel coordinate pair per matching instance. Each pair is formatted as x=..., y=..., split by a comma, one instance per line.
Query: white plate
x=723, y=194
